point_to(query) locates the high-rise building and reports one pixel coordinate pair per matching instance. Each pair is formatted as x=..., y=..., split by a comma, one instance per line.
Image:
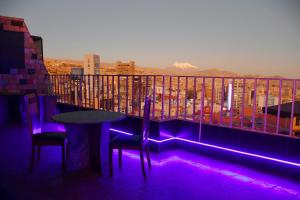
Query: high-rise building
x=91, y=64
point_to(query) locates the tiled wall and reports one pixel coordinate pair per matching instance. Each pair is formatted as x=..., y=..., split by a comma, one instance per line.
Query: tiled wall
x=33, y=76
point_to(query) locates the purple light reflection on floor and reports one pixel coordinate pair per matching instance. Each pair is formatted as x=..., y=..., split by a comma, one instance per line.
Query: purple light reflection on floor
x=170, y=178
x=218, y=147
x=265, y=184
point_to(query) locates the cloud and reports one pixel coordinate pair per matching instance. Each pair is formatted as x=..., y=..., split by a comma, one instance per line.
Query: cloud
x=184, y=65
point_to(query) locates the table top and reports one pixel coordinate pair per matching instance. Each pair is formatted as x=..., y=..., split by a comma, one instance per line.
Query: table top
x=88, y=117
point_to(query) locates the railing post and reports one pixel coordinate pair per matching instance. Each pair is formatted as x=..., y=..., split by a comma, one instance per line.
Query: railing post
x=232, y=97
x=194, y=97
x=74, y=87
x=254, y=105
x=70, y=88
x=170, y=97
x=243, y=103
x=278, y=110
x=178, y=91
x=119, y=93
x=94, y=104
x=113, y=93
x=140, y=93
x=89, y=90
x=266, y=105
x=212, y=100
x=107, y=92
x=163, y=99
x=85, y=91
x=202, y=107
x=292, y=109
x=102, y=90
x=66, y=88
x=222, y=102
x=132, y=95
x=62, y=87
x=80, y=88
x=185, y=98
x=154, y=98
x=99, y=93
x=59, y=88
x=147, y=85
x=126, y=107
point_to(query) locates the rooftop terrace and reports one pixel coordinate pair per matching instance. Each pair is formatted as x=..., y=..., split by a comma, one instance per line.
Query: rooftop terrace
x=210, y=137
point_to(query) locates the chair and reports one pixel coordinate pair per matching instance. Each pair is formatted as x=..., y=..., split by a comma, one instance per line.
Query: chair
x=40, y=138
x=135, y=142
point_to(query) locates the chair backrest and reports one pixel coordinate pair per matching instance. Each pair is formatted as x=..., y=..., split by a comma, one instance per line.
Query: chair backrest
x=146, y=118
x=32, y=112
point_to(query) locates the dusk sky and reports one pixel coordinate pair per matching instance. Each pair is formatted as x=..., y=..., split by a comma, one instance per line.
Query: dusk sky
x=245, y=36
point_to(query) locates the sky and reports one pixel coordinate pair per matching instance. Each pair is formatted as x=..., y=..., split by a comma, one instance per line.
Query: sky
x=244, y=36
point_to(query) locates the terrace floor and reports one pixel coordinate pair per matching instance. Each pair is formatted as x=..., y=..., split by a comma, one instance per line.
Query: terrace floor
x=175, y=175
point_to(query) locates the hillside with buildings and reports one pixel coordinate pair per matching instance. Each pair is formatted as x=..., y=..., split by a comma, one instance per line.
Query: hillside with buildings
x=64, y=66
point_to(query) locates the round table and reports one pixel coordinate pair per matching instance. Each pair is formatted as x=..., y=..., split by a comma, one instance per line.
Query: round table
x=88, y=138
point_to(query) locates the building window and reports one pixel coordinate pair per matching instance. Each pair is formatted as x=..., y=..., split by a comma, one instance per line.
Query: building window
x=297, y=121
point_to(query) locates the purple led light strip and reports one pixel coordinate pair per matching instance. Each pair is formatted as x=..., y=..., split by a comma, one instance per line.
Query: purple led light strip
x=216, y=147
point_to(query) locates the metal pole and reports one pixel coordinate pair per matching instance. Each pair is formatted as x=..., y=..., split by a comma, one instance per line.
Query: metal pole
x=85, y=92
x=154, y=98
x=194, y=97
x=231, y=108
x=178, y=91
x=266, y=105
x=102, y=87
x=170, y=97
x=222, y=102
x=254, y=105
x=113, y=93
x=98, y=87
x=132, y=95
x=81, y=96
x=202, y=107
x=279, y=102
x=163, y=99
x=243, y=103
x=107, y=92
x=126, y=108
x=212, y=100
x=119, y=93
x=140, y=92
x=292, y=109
x=186, y=95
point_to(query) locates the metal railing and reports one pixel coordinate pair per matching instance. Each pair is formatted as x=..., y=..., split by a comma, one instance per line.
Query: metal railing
x=234, y=102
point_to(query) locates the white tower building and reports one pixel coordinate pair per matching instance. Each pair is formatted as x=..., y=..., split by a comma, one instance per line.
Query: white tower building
x=91, y=64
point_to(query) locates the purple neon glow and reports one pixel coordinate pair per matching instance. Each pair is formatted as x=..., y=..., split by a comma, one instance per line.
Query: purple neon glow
x=48, y=127
x=150, y=139
x=217, y=147
x=250, y=179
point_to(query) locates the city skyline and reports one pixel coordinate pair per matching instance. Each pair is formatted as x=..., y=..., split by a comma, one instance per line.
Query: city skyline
x=241, y=36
